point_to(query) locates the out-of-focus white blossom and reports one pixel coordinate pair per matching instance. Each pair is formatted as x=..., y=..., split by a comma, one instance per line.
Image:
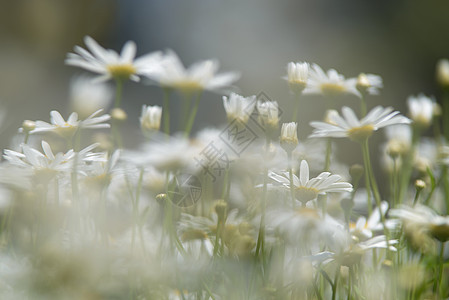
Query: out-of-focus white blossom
x=87, y=97
x=109, y=64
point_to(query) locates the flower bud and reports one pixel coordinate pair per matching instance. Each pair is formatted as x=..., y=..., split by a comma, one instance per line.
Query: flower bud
x=150, y=119
x=238, y=107
x=221, y=208
x=28, y=125
x=297, y=76
x=420, y=185
x=443, y=73
x=289, y=136
x=268, y=115
x=119, y=115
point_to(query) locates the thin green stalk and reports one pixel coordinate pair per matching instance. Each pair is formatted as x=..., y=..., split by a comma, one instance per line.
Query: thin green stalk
x=296, y=107
x=363, y=106
x=415, y=200
x=408, y=165
x=446, y=114
x=367, y=181
x=118, y=92
x=166, y=111
x=116, y=136
x=375, y=191
x=437, y=282
x=261, y=236
x=335, y=285
x=192, y=116
x=327, y=164
x=27, y=136
x=290, y=172
x=395, y=190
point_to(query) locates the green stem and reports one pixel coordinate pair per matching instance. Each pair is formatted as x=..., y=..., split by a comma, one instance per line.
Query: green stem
x=334, y=286
x=446, y=114
x=118, y=92
x=408, y=165
x=166, y=111
x=296, y=107
x=367, y=181
x=375, y=191
x=415, y=200
x=192, y=115
x=261, y=236
x=437, y=282
x=327, y=164
x=290, y=172
x=363, y=106
x=27, y=136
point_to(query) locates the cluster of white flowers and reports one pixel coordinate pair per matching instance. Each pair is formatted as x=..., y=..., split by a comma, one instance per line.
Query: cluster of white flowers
x=248, y=211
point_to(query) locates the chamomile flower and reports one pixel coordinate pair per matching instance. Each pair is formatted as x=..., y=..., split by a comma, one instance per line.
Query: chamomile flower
x=423, y=218
x=171, y=73
x=329, y=84
x=421, y=109
x=109, y=64
x=358, y=130
x=443, y=72
x=364, y=229
x=306, y=226
x=354, y=252
x=307, y=189
x=45, y=164
x=87, y=97
x=297, y=76
x=268, y=114
x=369, y=83
x=289, y=136
x=150, y=119
x=68, y=128
x=239, y=108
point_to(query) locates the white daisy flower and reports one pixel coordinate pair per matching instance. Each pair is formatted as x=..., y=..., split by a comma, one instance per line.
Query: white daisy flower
x=68, y=128
x=45, y=165
x=308, y=189
x=330, y=83
x=297, y=76
x=364, y=229
x=176, y=154
x=306, y=226
x=268, y=114
x=87, y=97
x=238, y=107
x=171, y=73
x=369, y=83
x=358, y=130
x=47, y=160
x=423, y=218
x=421, y=109
x=353, y=253
x=109, y=64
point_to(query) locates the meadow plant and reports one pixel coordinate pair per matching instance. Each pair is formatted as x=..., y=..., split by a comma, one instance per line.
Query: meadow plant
x=230, y=212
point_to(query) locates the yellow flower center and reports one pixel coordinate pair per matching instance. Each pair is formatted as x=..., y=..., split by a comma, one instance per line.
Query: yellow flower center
x=308, y=212
x=122, y=71
x=359, y=134
x=186, y=86
x=305, y=194
x=332, y=89
x=66, y=131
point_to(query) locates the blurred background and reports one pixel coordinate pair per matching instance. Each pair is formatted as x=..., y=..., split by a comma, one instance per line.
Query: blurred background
x=399, y=40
